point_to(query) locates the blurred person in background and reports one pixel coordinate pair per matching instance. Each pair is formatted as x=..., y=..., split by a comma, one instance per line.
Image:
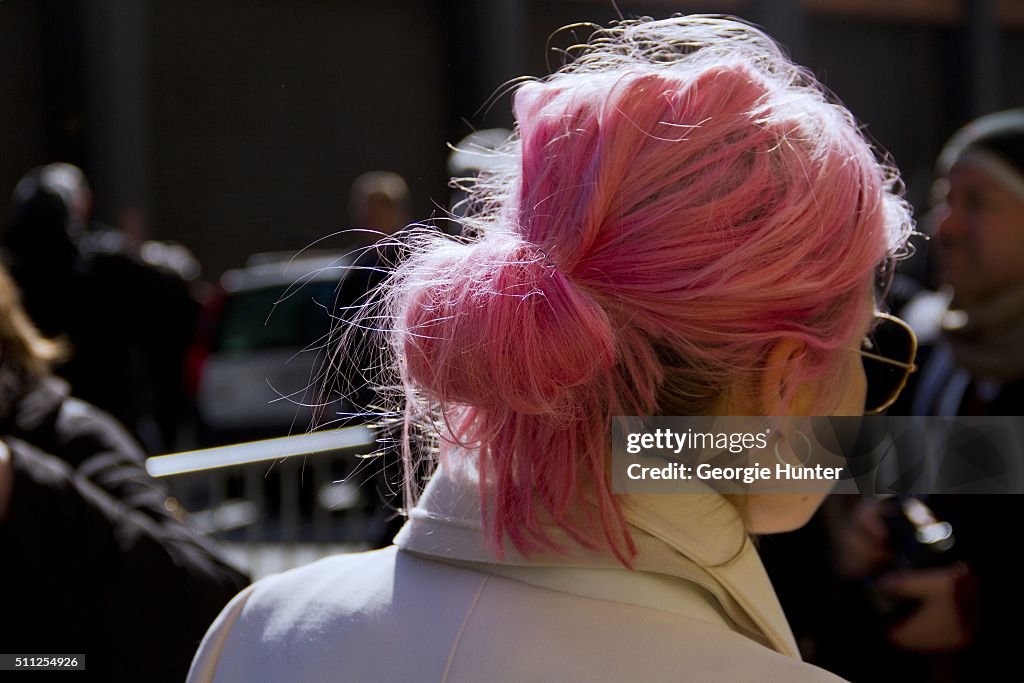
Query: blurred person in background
x=124, y=308
x=96, y=557
x=960, y=621
x=378, y=205
x=378, y=209
x=974, y=329
x=686, y=225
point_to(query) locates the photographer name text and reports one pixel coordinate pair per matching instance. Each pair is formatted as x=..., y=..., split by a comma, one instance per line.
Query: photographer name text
x=747, y=475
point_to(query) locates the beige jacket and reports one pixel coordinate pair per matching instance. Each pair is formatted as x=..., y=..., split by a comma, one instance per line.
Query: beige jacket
x=439, y=607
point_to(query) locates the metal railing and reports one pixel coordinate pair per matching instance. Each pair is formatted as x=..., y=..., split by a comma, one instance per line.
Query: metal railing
x=279, y=503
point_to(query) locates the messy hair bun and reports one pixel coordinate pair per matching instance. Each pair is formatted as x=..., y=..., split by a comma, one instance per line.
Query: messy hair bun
x=496, y=325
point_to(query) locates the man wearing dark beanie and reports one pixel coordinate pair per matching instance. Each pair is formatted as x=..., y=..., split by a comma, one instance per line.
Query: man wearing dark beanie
x=962, y=621
x=978, y=363
x=969, y=615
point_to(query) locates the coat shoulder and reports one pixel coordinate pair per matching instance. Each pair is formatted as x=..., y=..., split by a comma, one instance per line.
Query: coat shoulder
x=391, y=615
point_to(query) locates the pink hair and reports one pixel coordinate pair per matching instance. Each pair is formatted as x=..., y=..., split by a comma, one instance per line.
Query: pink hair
x=677, y=199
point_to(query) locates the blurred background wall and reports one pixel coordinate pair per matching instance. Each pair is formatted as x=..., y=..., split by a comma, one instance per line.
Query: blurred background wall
x=236, y=126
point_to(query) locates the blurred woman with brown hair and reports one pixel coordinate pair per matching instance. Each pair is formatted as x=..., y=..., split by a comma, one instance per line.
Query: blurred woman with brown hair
x=97, y=559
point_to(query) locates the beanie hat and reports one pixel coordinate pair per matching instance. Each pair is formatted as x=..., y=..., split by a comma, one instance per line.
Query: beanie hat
x=995, y=143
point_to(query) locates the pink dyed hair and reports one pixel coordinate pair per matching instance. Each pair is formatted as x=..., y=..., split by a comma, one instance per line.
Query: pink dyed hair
x=677, y=198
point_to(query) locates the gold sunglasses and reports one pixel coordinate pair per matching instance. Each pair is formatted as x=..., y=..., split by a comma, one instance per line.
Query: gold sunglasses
x=888, y=353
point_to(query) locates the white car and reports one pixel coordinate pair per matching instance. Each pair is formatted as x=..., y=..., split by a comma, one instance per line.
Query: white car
x=256, y=369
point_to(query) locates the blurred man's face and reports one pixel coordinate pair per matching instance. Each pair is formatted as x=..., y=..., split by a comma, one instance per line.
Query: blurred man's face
x=383, y=215
x=980, y=235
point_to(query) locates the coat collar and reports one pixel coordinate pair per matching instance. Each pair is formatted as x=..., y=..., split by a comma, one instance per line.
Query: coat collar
x=695, y=537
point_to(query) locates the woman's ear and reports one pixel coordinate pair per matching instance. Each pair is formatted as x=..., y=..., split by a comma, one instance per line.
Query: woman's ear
x=782, y=391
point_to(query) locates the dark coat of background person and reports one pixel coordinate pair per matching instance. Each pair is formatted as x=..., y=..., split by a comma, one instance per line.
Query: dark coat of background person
x=354, y=390
x=96, y=557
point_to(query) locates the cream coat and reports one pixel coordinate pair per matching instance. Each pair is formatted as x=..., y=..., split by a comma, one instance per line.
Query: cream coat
x=439, y=607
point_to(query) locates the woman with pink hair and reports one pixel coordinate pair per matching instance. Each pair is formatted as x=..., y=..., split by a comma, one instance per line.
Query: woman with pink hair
x=685, y=225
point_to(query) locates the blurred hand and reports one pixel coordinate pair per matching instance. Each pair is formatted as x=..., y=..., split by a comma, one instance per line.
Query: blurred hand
x=863, y=545
x=6, y=481
x=937, y=625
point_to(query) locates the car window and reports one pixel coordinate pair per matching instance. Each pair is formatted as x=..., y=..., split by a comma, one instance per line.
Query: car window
x=276, y=317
